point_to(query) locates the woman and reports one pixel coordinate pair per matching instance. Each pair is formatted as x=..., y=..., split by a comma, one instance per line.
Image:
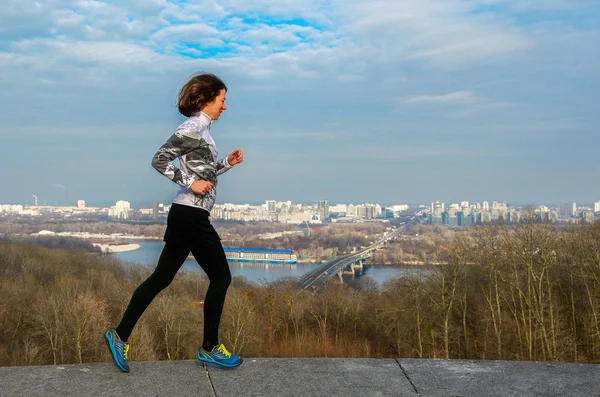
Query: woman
x=202, y=100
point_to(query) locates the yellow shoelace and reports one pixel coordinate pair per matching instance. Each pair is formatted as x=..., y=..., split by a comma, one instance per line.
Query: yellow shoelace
x=223, y=350
x=125, y=351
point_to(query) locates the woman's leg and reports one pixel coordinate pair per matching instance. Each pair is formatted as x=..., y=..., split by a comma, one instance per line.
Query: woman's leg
x=211, y=258
x=172, y=257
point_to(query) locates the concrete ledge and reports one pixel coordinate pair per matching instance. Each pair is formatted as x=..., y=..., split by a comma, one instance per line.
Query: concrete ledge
x=308, y=377
x=479, y=378
x=311, y=377
x=150, y=378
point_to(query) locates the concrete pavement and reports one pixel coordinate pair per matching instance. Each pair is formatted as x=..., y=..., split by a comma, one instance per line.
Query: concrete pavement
x=308, y=377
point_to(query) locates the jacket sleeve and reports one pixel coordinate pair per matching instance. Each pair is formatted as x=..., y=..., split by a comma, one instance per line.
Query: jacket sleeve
x=181, y=142
x=222, y=166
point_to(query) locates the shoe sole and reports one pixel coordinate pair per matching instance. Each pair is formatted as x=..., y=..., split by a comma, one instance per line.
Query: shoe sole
x=113, y=352
x=214, y=362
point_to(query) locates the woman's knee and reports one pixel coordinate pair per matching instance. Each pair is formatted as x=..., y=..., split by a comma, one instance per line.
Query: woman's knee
x=158, y=282
x=221, y=279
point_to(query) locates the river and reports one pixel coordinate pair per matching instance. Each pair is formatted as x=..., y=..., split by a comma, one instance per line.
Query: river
x=149, y=252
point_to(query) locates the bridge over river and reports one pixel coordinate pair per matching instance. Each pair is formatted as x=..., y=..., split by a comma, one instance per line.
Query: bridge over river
x=346, y=263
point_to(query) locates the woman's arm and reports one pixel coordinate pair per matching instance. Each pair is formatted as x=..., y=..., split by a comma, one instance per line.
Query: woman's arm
x=227, y=163
x=180, y=143
x=223, y=166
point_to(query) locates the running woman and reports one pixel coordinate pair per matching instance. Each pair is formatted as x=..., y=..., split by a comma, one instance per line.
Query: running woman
x=202, y=100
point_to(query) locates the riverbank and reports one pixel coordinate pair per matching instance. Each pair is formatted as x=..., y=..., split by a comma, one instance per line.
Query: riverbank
x=99, y=236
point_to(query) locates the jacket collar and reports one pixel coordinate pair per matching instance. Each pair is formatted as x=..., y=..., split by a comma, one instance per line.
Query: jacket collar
x=202, y=117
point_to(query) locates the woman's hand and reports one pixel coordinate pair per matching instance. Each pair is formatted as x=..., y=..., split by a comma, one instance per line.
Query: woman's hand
x=235, y=157
x=201, y=187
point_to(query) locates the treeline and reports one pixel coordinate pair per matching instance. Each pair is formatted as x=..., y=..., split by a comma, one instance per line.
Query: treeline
x=68, y=243
x=139, y=229
x=227, y=228
x=528, y=292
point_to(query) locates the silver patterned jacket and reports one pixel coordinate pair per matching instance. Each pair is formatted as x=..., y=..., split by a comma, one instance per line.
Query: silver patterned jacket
x=197, y=153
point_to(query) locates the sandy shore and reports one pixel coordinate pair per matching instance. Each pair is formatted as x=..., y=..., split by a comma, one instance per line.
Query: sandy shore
x=117, y=248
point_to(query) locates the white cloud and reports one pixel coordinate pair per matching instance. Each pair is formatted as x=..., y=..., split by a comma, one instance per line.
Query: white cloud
x=454, y=97
x=440, y=31
x=188, y=32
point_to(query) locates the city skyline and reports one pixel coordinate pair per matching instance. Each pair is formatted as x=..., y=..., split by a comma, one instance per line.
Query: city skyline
x=271, y=205
x=386, y=100
x=438, y=213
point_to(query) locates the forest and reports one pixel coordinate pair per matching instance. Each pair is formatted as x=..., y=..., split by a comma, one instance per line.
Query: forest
x=524, y=292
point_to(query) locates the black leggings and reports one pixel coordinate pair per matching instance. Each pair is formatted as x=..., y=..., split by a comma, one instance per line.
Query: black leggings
x=209, y=253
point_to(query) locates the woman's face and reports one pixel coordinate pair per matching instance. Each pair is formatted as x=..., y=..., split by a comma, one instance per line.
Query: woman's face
x=215, y=108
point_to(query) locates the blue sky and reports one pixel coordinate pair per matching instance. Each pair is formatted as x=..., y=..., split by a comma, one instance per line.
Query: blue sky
x=385, y=101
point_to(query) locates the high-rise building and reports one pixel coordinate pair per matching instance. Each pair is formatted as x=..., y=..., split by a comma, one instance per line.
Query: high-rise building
x=121, y=210
x=271, y=206
x=437, y=210
x=351, y=210
x=80, y=203
x=486, y=206
x=597, y=206
x=567, y=210
x=452, y=210
x=338, y=208
x=366, y=211
x=324, y=209
x=486, y=217
x=155, y=211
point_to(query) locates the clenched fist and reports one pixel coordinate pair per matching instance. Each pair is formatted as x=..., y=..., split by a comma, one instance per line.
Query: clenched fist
x=235, y=157
x=201, y=187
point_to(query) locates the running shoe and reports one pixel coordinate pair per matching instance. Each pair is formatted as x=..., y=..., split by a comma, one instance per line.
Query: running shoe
x=219, y=356
x=118, y=349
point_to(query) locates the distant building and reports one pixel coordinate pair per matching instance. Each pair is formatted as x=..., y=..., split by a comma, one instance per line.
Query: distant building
x=387, y=213
x=452, y=210
x=18, y=209
x=155, y=210
x=437, y=210
x=80, y=203
x=351, y=210
x=465, y=219
x=368, y=211
x=399, y=208
x=260, y=255
x=597, y=206
x=567, y=210
x=339, y=209
x=435, y=220
x=121, y=210
x=271, y=206
x=587, y=216
x=323, y=209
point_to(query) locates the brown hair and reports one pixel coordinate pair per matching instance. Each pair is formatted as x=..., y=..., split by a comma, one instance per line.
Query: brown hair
x=200, y=89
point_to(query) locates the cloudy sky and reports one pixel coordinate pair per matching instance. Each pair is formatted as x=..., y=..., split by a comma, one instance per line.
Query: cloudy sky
x=388, y=101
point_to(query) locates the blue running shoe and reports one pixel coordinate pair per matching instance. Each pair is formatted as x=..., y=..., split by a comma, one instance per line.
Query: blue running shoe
x=219, y=356
x=118, y=349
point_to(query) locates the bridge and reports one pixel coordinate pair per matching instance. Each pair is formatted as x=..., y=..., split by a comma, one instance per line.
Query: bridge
x=347, y=263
